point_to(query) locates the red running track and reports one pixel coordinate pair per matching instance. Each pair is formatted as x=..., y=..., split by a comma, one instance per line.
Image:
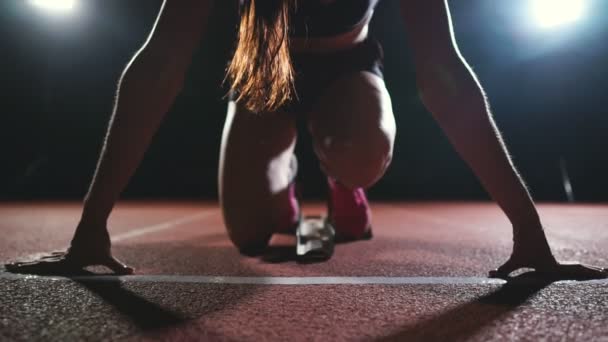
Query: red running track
x=437, y=252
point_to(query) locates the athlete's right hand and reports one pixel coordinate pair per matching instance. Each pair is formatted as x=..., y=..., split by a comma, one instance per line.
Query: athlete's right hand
x=90, y=247
x=66, y=263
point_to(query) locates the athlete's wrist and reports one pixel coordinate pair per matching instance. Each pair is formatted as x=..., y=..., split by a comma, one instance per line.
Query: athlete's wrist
x=94, y=213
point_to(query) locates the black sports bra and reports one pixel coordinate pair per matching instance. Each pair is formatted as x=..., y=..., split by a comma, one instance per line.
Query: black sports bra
x=314, y=19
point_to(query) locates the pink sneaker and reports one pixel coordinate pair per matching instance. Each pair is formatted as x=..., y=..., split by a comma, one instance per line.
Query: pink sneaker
x=349, y=212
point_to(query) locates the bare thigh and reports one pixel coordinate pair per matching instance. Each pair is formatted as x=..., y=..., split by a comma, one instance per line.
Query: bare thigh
x=254, y=174
x=353, y=129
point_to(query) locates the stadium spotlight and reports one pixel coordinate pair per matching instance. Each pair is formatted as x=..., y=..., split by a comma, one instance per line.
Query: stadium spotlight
x=552, y=13
x=55, y=5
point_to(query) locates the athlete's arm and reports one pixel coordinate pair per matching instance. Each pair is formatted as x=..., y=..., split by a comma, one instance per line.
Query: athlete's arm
x=147, y=88
x=451, y=92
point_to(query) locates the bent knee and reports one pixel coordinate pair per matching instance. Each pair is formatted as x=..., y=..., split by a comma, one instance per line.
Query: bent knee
x=250, y=239
x=358, y=161
x=354, y=138
x=248, y=230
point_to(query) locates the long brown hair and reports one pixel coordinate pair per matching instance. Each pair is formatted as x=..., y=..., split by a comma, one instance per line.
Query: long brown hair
x=261, y=72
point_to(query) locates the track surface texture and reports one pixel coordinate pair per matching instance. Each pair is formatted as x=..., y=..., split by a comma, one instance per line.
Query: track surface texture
x=421, y=278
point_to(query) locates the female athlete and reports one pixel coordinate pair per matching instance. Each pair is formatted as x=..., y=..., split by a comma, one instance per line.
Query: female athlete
x=313, y=59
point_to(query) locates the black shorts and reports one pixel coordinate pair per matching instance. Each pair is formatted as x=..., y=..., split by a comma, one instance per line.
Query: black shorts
x=315, y=72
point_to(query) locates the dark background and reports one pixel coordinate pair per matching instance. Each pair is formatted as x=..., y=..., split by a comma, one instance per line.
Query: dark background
x=59, y=76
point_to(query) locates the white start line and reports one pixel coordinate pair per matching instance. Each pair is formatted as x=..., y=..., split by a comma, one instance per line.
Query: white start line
x=235, y=280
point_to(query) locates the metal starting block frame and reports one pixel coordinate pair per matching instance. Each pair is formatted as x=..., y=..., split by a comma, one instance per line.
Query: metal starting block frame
x=315, y=238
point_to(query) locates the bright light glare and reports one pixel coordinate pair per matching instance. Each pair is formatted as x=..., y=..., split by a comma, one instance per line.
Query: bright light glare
x=552, y=13
x=55, y=5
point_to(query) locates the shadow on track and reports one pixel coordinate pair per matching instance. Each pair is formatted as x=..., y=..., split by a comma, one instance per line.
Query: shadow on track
x=278, y=254
x=145, y=314
x=124, y=308
x=286, y=252
x=464, y=321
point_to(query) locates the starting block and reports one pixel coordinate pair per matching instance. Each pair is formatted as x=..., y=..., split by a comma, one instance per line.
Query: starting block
x=315, y=238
